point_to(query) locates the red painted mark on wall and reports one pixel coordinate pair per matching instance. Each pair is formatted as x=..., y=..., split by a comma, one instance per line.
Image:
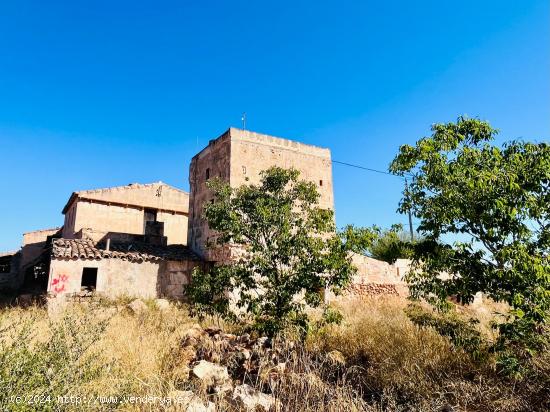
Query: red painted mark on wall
x=59, y=283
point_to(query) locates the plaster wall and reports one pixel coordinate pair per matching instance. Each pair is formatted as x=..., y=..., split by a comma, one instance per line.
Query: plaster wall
x=117, y=277
x=102, y=219
x=33, y=244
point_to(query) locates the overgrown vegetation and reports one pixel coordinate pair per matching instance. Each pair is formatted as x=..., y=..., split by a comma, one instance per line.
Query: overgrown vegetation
x=495, y=203
x=285, y=252
x=387, y=245
x=383, y=362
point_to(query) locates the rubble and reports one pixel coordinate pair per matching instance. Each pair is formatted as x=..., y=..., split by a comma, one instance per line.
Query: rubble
x=373, y=289
x=187, y=401
x=137, y=306
x=162, y=304
x=224, y=360
x=211, y=374
x=248, y=398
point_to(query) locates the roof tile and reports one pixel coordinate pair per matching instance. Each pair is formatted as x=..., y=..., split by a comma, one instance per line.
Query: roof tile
x=134, y=251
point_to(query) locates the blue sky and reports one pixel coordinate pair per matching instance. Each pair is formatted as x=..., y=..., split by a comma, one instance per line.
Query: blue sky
x=104, y=93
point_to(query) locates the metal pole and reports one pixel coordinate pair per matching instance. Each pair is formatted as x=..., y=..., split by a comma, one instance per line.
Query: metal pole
x=409, y=212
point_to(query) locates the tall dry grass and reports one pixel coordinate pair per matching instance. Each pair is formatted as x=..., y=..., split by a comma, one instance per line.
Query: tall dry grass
x=388, y=363
x=400, y=366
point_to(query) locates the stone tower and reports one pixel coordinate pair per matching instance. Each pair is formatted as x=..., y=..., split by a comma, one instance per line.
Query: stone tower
x=238, y=156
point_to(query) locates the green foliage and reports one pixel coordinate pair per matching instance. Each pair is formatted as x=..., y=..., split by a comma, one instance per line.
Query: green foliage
x=461, y=332
x=288, y=251
x=392, y=244
x=208, y=292
x=386, y=245
x=41, y=372
x=495, y=201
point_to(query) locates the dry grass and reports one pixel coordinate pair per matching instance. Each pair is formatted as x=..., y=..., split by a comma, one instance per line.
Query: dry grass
x=403, y=367
x=390, y=364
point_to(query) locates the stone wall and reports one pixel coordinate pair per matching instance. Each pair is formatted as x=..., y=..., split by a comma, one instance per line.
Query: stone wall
x=252, y=153
x=12, y=280
x=211, y=162
x=152, y=195
x=375, y=277
x=118, y=277
x=33, y=244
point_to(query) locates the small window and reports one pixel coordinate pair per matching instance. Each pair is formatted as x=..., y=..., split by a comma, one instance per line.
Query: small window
x=89, y=278
x=207, y=174
x=244, y=170
x=320, y=183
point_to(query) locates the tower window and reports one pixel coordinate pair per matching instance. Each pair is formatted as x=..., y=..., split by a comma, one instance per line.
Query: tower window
x=207, y=174
x=89, y=278
x=320, y=183
x=149, y=215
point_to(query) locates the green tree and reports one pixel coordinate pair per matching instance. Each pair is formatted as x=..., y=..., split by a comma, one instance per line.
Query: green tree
x=387, y=245
x=392, y=244
x=287, y=247
x=494, y=202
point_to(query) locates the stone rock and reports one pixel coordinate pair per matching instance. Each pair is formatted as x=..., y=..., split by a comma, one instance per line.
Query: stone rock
x=210, y=373
x=263, y=342
x=189, y=402
x=162, y=304
x=336, y=357
x=187, y=354
x=248, y=398
x=192, y=335
x=213, y=330
x=224, y=387
x=137, y=306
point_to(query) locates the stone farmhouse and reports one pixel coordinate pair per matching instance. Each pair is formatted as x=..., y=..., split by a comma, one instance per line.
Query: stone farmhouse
x=144, y=240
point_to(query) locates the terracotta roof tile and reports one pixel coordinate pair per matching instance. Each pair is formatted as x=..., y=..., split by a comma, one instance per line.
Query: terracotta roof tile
x=134, y=251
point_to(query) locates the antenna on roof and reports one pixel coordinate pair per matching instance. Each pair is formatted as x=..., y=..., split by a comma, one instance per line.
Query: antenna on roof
x=243, y=119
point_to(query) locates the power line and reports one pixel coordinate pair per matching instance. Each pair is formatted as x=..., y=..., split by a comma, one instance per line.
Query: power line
x=370, y=169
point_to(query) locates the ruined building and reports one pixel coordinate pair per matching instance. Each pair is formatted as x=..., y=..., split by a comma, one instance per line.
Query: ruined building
x=145, y=240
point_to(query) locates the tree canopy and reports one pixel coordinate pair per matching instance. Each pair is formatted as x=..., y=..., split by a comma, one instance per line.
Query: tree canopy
x=286, y=251
x=494, y=202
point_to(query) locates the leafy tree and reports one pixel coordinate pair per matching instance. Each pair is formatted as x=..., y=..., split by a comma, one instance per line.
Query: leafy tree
x=392, y=244
x=495, y=202
x=387, y=245
x=285, y=251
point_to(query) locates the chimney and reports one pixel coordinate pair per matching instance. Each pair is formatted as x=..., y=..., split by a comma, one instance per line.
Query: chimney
x=108, y=245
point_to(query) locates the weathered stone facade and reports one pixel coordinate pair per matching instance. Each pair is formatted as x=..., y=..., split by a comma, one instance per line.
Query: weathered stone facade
x=109, y=227
x=237, y=157
x=106, y=212
x=33, y=244
x=124, y=269
x=10, y=278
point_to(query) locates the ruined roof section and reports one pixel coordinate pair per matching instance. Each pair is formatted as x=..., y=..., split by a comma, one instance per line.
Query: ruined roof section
x=133, y=252
x=8, y=253
x=279, y=142
x=49, y=230
x=157, y=195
